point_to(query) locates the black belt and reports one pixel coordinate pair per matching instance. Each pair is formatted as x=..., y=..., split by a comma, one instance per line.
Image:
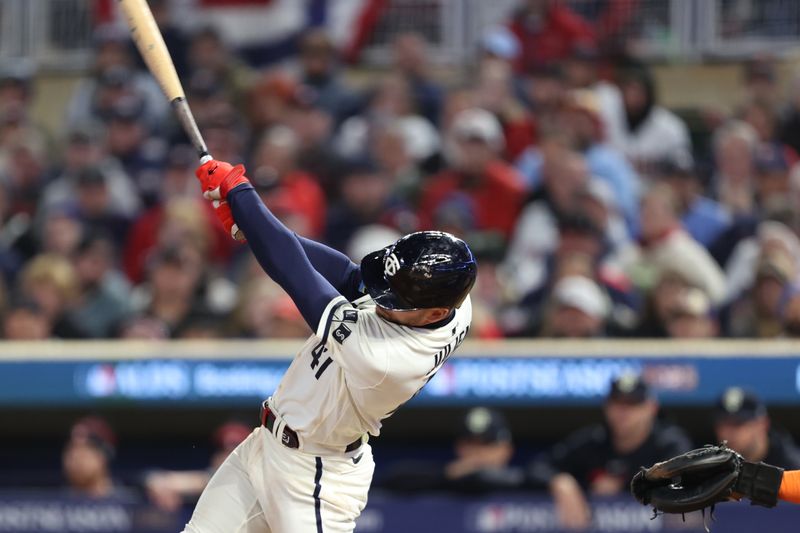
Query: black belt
x=289, y=436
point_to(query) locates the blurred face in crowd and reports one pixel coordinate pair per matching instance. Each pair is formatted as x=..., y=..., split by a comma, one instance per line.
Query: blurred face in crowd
x=748, y=438
x=13, y=93
x=312, y=126
x=93, y=199
x=112, y=54
x=26, y=324
x=472, y=155
x=410, y=53
x=657, y=215
x=495, y=85
x=82, y=154
x=688, y=326
x=84, y=464
x=583, y=125
x=565, y=173
x=26, y=166
x=61, y=234
x=456, y=101
x=573, y=323
x=791, y=319
x=390, y=151
x=393, y=98
x=94, y=262
x=366, y=193
x=495, y=454
x=144, y=327
x=762, y=119
x=733, y=157
x=124, y=137
x=627, y=420
x=666, y=295
x=176, y=280
x=276, y=155
x=579, y=73
x=545, y=91
x=634, y=96
x=767, y=294
x=316, y=55
x=207, y=51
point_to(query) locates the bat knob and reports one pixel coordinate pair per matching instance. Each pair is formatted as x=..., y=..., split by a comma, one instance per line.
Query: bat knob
x=205, y=158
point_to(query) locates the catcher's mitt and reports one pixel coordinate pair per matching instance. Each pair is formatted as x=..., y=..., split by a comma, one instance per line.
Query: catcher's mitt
x=704, y=477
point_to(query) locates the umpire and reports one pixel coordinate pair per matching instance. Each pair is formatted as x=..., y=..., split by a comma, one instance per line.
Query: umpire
x=600, y=460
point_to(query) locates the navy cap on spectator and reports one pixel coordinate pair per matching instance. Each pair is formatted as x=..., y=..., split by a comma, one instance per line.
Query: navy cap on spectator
x=485, y=425
x=116, y=76
x=738, y=405
x=678, y=164
x=629, y=388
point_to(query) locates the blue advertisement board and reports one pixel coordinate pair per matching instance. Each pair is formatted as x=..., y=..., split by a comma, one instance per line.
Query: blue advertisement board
x=524, y=381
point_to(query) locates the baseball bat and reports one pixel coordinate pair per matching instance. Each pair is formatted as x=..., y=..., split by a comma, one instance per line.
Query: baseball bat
x=151, y=45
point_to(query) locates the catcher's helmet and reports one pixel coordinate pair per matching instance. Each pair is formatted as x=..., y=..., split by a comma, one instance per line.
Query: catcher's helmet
x=421, y=270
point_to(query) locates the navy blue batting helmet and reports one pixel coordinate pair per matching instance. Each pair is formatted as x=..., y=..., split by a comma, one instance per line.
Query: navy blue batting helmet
x=420, y=271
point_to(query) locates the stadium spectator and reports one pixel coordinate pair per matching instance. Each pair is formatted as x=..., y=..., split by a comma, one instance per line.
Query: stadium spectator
x=645, y=131
x=548, y=32
x=104, y=292
x=691, y=317
x=582, y=126
x=741, y=420
x=114, y=77
x=365, y=197
x=275, y=176
x=600, y=460
x=411, y=58
x=87, y=459
x=702, y=217
x=666, y=246
x=262, y=311
x=670, y=284
x=735, y=144
x=495, y=92
x=319, y=70
x=392, y=100
x=50, y=281
x=790, y=311
x=493, y=189
x=173, y=292
x=24, y=320
x=209, y=53
x=771, y=264
x=140, y=154
x=578, y=309
x=483, y=455
x=535, y=236
x=170, y=489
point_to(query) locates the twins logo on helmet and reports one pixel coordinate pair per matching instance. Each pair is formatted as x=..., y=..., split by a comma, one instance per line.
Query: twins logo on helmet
x=391, y=265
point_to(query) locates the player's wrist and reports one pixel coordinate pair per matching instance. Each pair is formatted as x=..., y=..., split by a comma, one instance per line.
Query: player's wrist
x=760, y=483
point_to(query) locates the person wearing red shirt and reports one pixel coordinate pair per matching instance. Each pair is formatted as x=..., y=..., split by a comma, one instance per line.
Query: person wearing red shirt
x=548, y=32
x=477, y=175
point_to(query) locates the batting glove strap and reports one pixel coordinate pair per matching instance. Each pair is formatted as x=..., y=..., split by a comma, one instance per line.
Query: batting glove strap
x=760, y=483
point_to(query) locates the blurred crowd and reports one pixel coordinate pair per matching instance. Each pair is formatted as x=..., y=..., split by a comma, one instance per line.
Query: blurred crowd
x=595, y=461
x=593, y=210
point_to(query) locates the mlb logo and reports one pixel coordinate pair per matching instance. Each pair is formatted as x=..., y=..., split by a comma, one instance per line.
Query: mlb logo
x=341, y=333
x=350, y=315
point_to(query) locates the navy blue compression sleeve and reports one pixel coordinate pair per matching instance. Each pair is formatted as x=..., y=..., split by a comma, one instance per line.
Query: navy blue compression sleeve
x=280, y=254
x=337, y=268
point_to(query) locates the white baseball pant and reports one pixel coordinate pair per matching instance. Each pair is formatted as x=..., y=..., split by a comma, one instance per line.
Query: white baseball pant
x=265, y=487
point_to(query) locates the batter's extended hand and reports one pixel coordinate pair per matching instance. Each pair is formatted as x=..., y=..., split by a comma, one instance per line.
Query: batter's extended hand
x=217, y=178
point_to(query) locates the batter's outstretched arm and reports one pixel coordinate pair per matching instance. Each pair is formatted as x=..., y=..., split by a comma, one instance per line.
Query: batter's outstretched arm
x=280, y=254
x=337, y=268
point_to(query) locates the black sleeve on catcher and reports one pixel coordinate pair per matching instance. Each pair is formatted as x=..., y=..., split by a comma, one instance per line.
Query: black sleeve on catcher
x=760, y=483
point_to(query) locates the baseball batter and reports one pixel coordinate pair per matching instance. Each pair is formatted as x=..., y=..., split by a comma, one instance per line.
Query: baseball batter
x=382, y=330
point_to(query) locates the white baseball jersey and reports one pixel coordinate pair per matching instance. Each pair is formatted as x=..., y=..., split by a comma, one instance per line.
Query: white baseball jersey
x=358, y=369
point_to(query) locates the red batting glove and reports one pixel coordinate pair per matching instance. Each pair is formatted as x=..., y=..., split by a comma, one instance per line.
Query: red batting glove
x=217, y=178
x=223, y=211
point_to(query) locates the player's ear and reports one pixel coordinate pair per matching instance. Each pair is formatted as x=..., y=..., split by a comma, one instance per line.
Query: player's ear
x=436, y=314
